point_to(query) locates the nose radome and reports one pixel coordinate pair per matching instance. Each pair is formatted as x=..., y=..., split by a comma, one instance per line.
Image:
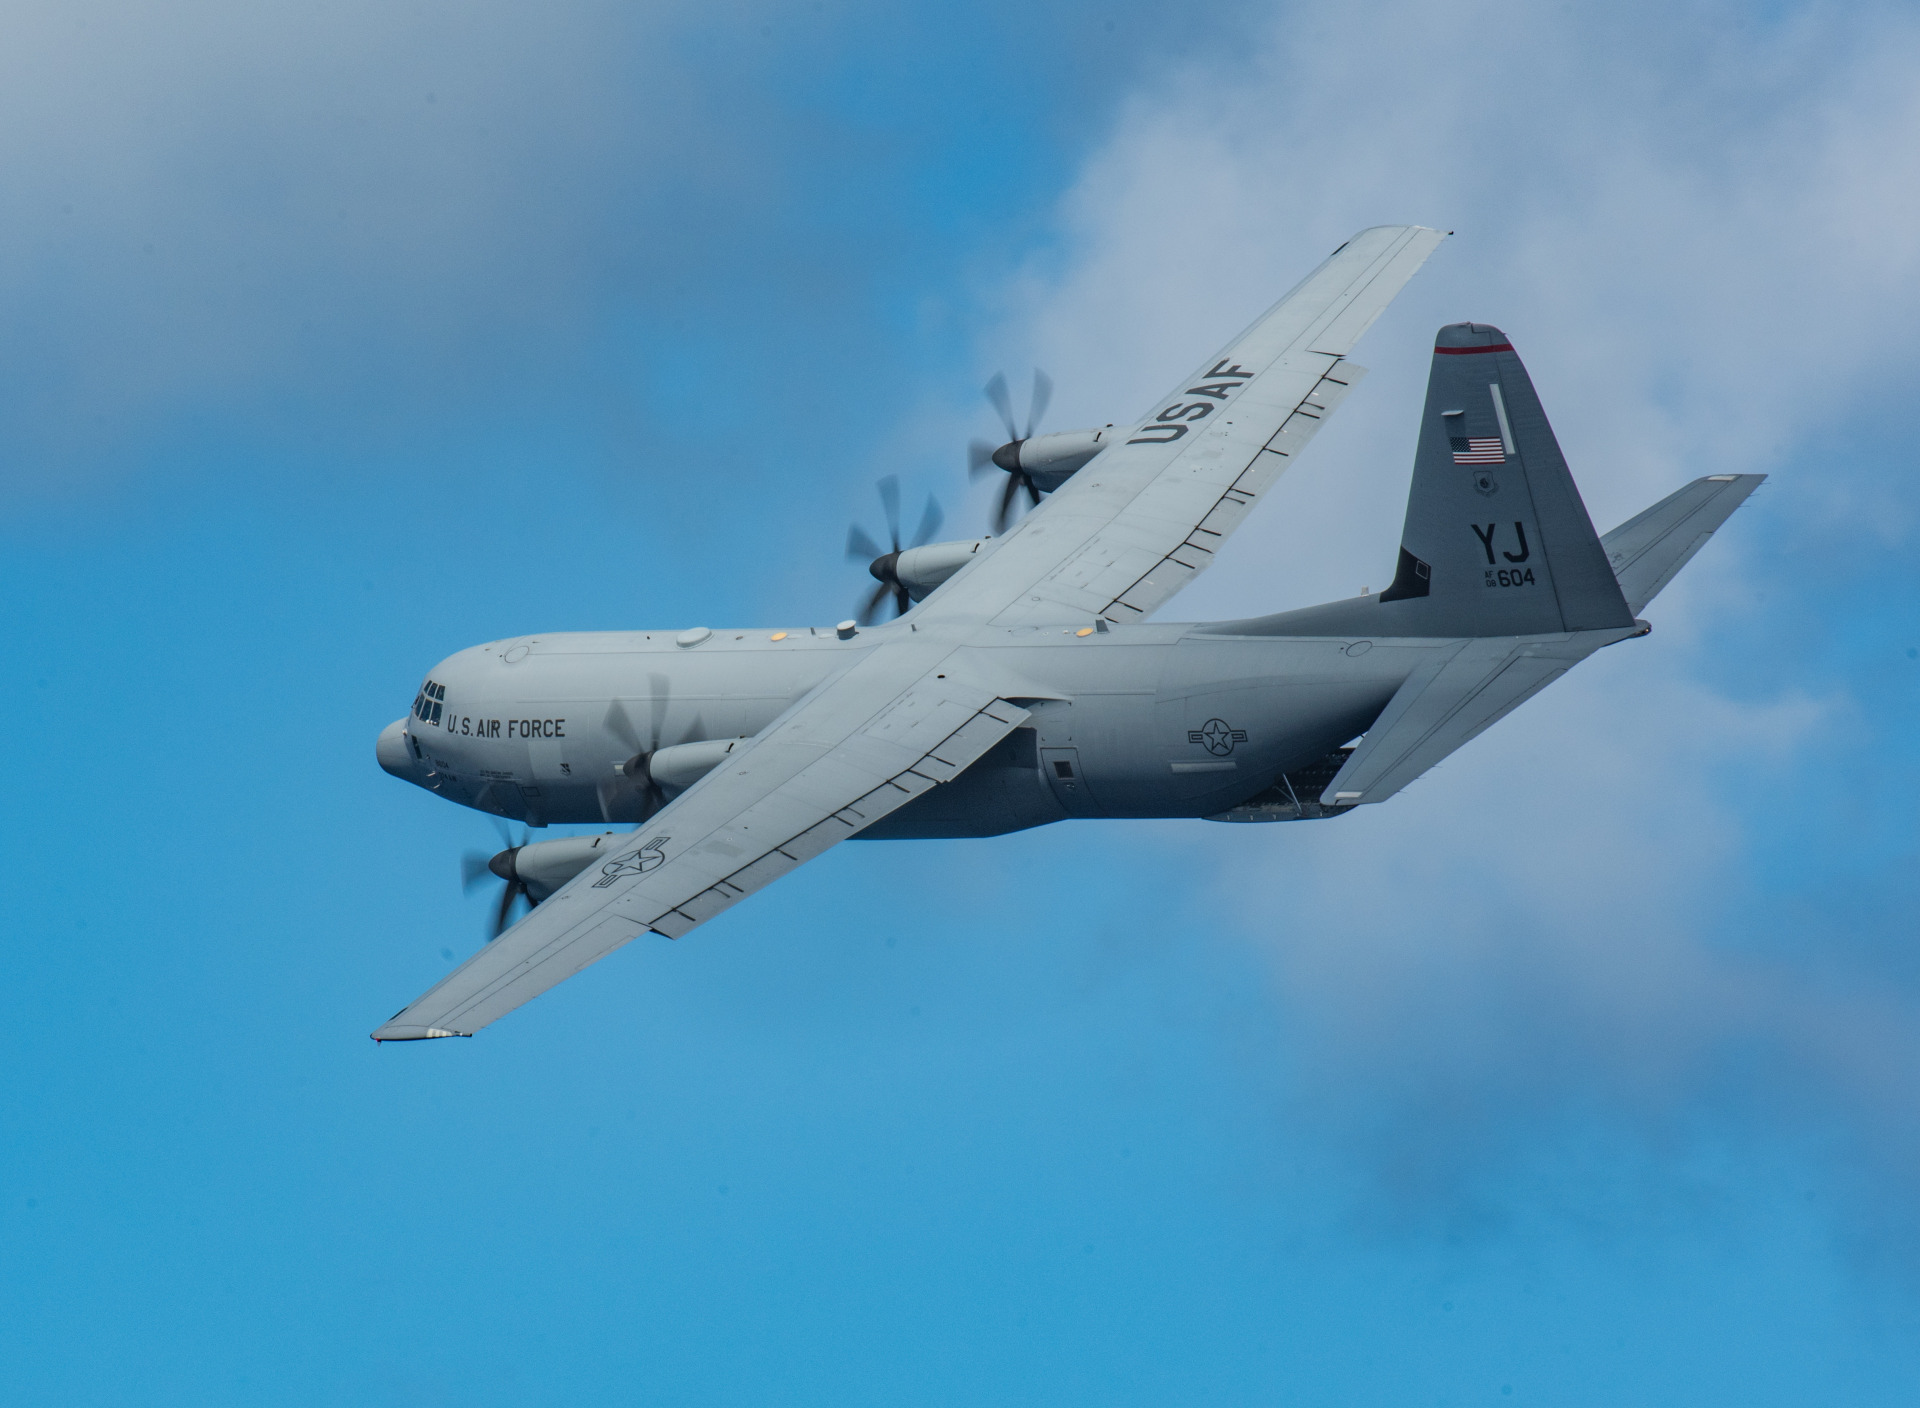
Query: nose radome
x=391, y=750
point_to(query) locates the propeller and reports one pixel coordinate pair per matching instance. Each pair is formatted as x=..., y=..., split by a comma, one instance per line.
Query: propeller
x=476, y=866
x=883, y=563
x=981, y=455
x=620, y=724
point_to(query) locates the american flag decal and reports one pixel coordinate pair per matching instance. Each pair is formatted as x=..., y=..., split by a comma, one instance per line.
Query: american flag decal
x=1476, y=449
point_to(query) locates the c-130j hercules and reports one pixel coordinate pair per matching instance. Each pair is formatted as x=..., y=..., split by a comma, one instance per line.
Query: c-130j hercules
x=1026, y=684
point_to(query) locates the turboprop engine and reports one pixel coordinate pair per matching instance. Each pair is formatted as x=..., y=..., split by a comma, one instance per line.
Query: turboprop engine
x=1049, y=461
x=1035, y=464
x=541, y=867
x=917, y=571
x=882, y=564
x=679, y=766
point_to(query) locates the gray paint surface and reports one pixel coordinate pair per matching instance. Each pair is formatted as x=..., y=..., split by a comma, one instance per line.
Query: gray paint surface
x=1029, y=687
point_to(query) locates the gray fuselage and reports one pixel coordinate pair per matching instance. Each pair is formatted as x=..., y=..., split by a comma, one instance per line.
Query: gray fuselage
x=1134, y=721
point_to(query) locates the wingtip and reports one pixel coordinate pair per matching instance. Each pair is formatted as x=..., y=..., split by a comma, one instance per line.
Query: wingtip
x=1435, y=231
x=391, y=1032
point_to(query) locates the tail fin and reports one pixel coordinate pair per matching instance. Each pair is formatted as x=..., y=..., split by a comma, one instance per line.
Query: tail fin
x=1497, y=541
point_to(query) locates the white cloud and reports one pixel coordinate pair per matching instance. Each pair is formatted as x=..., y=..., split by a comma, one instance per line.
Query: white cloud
x=1701, y=234
x=1703, y=243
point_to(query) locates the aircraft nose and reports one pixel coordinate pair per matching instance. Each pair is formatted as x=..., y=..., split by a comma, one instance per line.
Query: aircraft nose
x=391, y=750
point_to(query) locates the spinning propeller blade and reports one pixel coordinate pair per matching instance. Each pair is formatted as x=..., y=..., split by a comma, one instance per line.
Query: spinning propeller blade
x=1037, y=407
x=640, y=750
x=860, y=547
x=476, y=866
x=882, y=561
x=930, y=522
x=981, y=455
x=996, y=389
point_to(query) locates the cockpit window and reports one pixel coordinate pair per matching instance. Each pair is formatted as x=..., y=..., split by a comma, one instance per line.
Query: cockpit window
x=428, y=702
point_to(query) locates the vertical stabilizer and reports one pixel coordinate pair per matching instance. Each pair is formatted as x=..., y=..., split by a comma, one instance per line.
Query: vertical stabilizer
x=1497, y=541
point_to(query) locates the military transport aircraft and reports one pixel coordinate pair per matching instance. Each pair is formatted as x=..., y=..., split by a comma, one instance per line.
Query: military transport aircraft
x=1026, y=683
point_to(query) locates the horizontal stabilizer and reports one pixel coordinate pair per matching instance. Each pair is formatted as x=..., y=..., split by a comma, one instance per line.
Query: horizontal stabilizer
x=1465, y=689
x=1651, y=546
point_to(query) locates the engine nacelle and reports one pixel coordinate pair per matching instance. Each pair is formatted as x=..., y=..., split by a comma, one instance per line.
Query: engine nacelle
x=1051, y=460
x=919, y=570
x=544, y=866
x=678, y=767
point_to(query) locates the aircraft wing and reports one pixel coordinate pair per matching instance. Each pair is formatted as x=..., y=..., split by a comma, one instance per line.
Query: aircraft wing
x=898, y=722
x=1146, y=515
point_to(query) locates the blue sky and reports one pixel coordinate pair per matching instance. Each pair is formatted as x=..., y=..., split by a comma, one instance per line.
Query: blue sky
x=334, y=340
